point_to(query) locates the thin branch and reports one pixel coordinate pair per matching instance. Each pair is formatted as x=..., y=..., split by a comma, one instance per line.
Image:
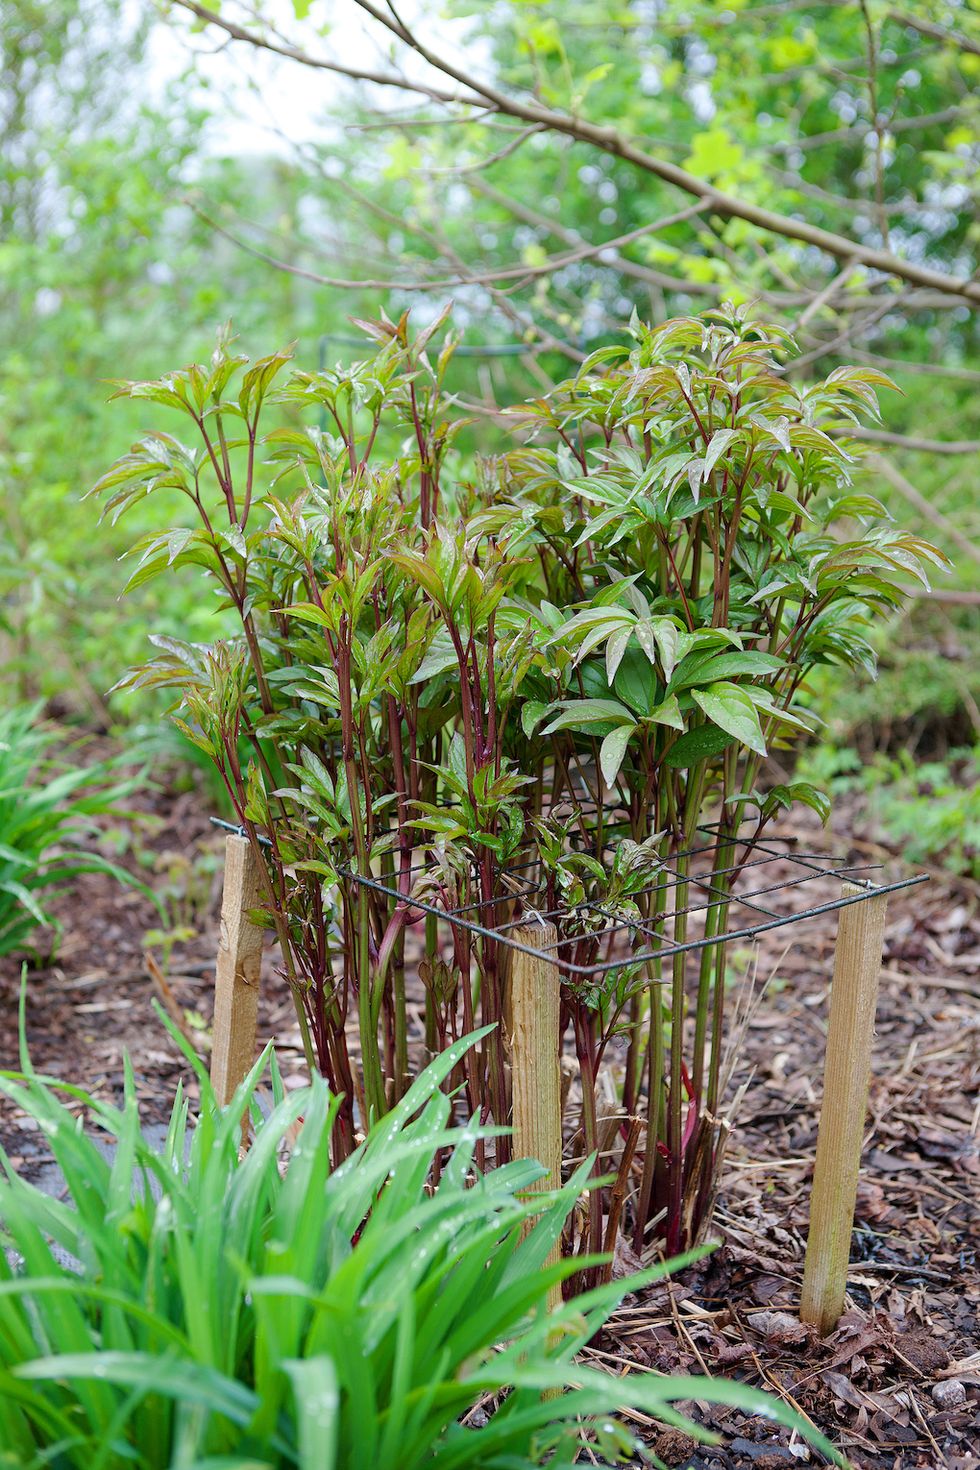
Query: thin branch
x=853, y=329
x=936, y=32
x=877, y=122
x=492, y=158
x=322, y=63
x=474, y=92
x=410, y=122
x=520, y=319
x=523, y=322
x=953, y=596
x=847, y=204
x=923, y=369
x=340, y=283
x=754, y=12
x=520, y=273
x=519, y=209
x=523, y=212
x=858, y=131
x=718, y=17
x=925, y=507
x=911, y=441
x=829, y=291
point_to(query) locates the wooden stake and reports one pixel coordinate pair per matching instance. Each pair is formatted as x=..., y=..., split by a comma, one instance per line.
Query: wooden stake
x=857, y=966
x=236, y=980
x=535, y=1060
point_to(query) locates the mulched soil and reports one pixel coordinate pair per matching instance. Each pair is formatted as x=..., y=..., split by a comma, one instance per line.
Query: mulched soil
x=897, y=1384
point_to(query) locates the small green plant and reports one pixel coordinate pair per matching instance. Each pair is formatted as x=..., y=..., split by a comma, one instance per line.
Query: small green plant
x=266, y=1312
x=928, y=811
x=46, y=809
x=931, y=811
x=183, y=890
x=568, y=663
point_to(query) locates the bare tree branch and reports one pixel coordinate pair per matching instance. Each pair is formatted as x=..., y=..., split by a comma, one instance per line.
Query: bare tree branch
x=952, y=596
x=935, y=32
x=474, y=92
x=922, y=369
x=322, y=63
x=823, y=297
x=471, y=277
x=519, y=209
x=912, y=441
x=847, y=204
x=877, y=121
x=538, y=338
x=492, y=158
x=524, y=323
x=925, y=507
x=854, y=328
x=858, y=131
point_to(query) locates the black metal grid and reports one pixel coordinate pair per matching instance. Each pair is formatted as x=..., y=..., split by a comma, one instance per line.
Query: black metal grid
x=632, y=936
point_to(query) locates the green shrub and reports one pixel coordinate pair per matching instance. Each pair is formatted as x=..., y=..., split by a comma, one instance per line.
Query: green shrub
x=244, y=1312
x=46, y=810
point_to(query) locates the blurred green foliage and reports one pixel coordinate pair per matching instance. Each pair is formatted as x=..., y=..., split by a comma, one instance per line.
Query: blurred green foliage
x=926, y=811
x=104, y=273
x=48, y=806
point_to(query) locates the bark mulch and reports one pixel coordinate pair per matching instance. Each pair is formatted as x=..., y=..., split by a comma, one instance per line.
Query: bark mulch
x=896, y=1385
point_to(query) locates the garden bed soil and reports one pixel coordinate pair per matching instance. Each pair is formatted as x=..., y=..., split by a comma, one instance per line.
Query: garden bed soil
x=897, y=1385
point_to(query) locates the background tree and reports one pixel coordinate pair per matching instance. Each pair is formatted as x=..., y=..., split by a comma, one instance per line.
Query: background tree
x=104, y=271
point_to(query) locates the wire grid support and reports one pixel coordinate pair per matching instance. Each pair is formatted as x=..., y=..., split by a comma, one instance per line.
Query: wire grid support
x=629, y=940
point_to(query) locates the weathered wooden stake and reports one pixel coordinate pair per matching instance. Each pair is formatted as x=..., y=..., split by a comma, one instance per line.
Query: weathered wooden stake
x=853, y=998
x=535, y=1060
x=236, y=980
